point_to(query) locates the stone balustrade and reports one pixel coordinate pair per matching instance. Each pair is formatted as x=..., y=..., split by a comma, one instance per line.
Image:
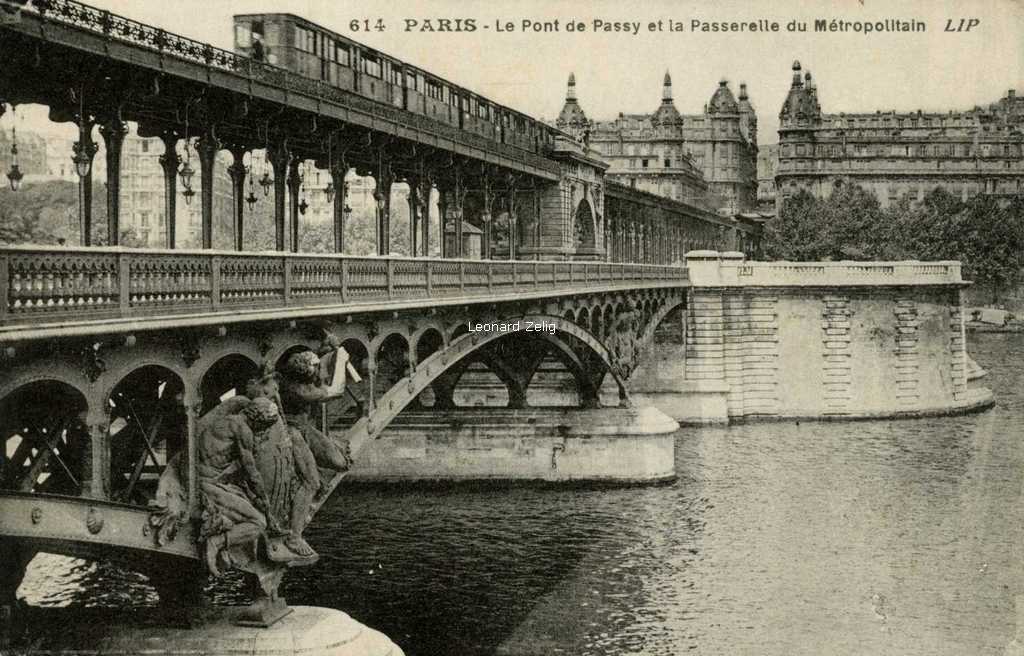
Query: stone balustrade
x=711, y=268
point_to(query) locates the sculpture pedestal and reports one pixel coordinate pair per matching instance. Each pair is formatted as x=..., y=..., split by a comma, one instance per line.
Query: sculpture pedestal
x=307, y=630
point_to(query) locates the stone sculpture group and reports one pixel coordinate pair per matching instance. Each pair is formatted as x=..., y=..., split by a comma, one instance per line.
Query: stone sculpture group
x=258, y=472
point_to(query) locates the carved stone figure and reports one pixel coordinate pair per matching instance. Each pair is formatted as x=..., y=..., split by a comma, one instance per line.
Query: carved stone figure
x=306, y=380
x=257, y=476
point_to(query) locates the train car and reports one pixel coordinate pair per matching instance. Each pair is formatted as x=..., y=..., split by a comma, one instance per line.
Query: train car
x=430, y=96
x=303, y=47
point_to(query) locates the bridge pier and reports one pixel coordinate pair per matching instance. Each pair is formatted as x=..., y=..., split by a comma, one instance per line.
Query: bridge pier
x=551, y=445
x=822, y=340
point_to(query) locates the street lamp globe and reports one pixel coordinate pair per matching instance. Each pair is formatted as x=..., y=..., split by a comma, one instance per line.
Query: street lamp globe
x=186, y=174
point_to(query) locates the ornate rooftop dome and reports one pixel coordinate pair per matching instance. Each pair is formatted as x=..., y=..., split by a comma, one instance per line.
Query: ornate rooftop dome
x=722, y=101
x=666, y=114
x=572, y=114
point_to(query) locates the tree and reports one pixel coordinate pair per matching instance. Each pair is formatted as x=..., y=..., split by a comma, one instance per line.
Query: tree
x=798, y=232
x=987, y=236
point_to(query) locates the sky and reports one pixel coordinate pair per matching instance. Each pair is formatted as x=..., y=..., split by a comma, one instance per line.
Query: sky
x=934, y=70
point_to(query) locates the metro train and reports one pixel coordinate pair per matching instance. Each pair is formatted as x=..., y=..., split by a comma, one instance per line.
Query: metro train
x=308, y=49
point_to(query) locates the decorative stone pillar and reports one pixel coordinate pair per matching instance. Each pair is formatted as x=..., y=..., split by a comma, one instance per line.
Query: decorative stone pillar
x=113, y=132
x=237, y=172
x=207, y=148
x=169, y=162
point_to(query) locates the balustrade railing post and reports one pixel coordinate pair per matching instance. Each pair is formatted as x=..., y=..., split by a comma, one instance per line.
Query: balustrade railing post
x=215, y=282
x=391, y=278
x=124, y=281
x=490, y=278
x=430, y=279
x=344, y=280
x=287, y=292
x=536, y=273
x=462, y=277
x=5, y=285
x=515, y=282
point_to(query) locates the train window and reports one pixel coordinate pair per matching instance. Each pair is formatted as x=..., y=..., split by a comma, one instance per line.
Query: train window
x=243, y=37
x=395, y=75
x=342, y=54
x=304, y=39
x=435, y=90
x=421, y=82
x=371, y=65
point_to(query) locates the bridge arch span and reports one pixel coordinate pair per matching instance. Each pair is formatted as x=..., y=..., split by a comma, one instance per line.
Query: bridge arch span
x=406, y=389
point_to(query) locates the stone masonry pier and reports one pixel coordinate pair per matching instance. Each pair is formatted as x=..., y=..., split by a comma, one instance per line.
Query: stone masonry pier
x=823, y=340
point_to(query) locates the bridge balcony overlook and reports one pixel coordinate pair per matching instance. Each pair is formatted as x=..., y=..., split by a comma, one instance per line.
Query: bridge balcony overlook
x=48, y=291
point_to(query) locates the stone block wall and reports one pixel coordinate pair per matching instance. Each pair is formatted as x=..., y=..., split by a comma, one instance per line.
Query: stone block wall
x=847, y=340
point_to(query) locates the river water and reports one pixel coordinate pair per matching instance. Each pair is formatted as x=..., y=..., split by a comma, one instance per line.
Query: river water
x=885, y=537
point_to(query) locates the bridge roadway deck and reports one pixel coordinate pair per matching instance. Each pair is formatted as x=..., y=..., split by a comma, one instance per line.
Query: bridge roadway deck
x=100, y=33
x=48, y=292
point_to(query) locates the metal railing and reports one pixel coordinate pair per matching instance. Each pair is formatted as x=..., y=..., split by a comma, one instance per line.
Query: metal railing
x=125, y=30
x=44, y=284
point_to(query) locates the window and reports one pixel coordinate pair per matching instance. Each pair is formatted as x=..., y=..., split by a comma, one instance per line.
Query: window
x=243, y=37
x=372, y=65
x=668, y=163
x=644, y=163
x=434, y=90
x=145, y=145
x=341, y=54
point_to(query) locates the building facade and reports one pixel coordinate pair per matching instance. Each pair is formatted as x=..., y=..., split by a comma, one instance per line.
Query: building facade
x=767, y=163
x=707, y=159
x=723, y=143
x=978, y=151
x=649, y=151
